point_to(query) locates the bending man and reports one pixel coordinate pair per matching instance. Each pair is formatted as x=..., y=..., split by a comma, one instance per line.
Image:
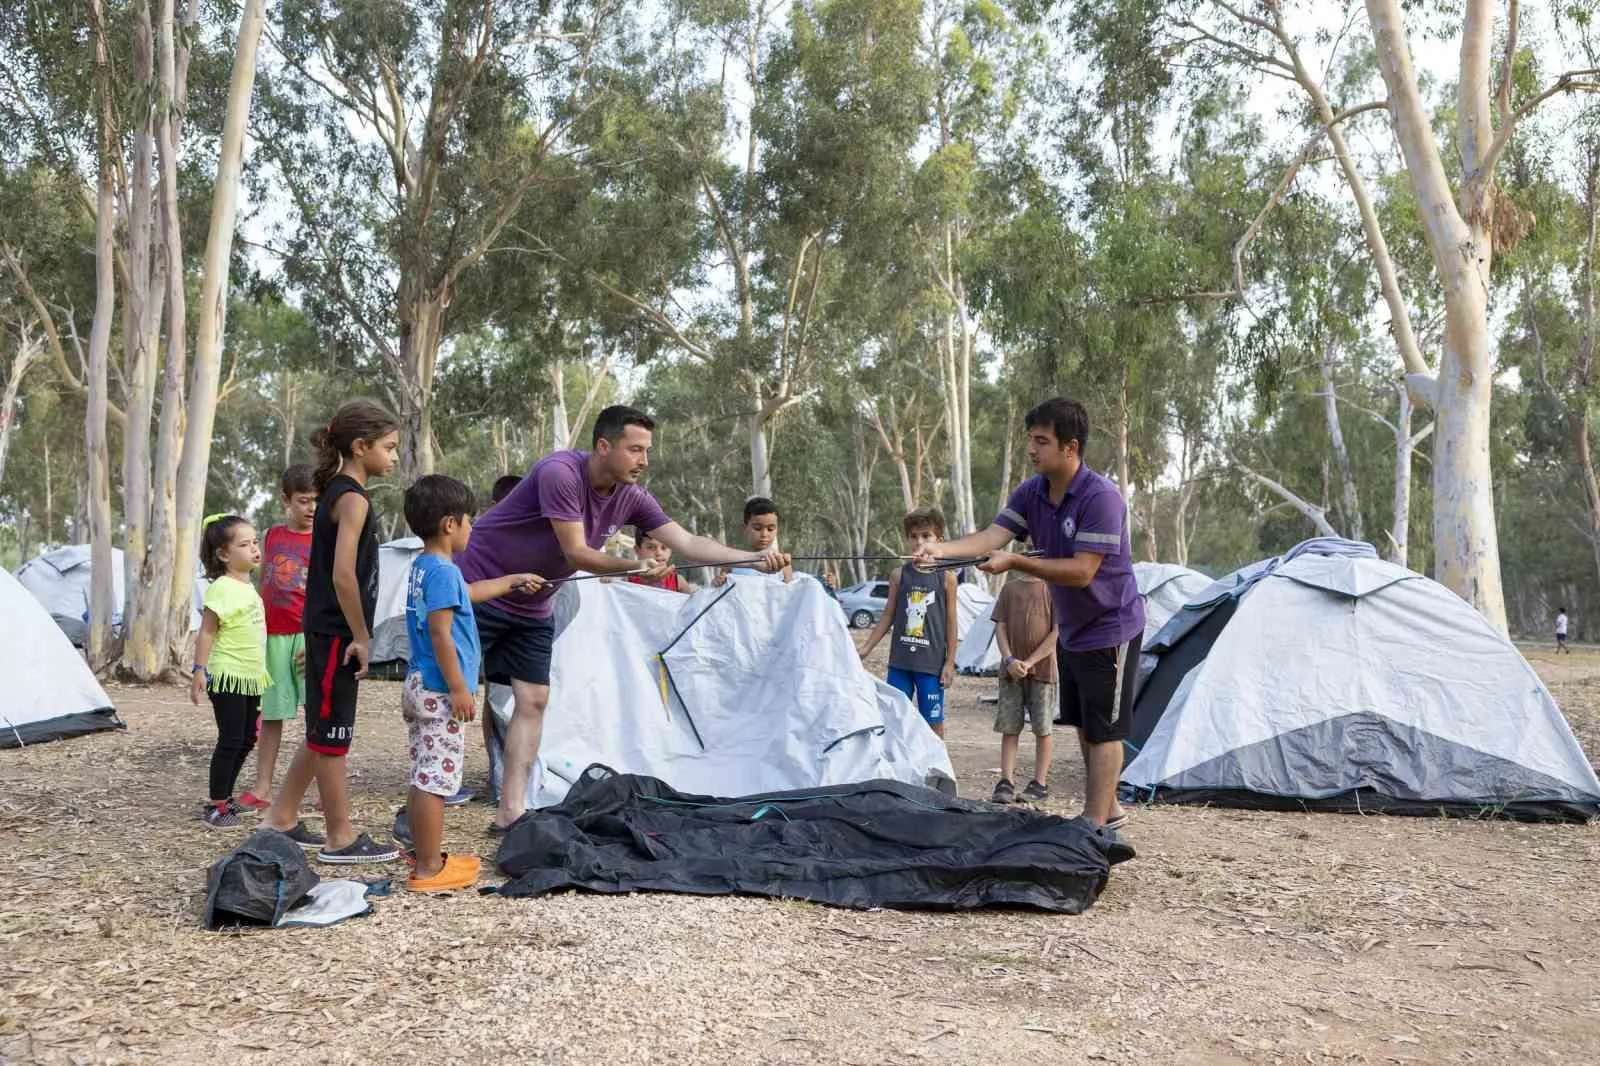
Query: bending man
x=553, y=524
x=1077, y=520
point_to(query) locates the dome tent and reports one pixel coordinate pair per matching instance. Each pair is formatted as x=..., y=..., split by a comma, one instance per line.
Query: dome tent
x=390, y=641
x=60, y=578
x=1331, y=680
x=50, y=691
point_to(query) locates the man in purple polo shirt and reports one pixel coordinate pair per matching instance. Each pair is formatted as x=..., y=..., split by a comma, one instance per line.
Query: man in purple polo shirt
x=1078, y=521
x=553, y=524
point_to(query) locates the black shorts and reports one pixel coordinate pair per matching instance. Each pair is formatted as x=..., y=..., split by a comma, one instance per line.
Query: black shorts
x=330, y=695
x=1097, y=689
x=515, y=648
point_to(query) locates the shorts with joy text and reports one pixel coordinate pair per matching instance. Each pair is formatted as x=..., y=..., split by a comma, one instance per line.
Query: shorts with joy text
x=1030, y=701
x=287, y=694
x=1097, y=690
x=438, y=745
x=330, y=695
x=924, y=690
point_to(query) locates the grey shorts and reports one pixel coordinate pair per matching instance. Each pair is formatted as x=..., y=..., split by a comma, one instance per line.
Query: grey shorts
x=1033, y=701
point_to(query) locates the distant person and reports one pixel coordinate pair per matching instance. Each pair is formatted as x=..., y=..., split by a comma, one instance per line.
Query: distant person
x=552, y=524
x=1025, y=632
x=830, y=586
x=286, y=555
x=440, y=691
x=760, y=535
x=230, y=658
x=922, y=614
x=1077, y=519
x=359, y=443
x=655, y=554
x=502, y=487
x=1561, y=631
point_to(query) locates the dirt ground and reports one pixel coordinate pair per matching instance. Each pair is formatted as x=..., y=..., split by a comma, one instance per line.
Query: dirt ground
x=1233, y=938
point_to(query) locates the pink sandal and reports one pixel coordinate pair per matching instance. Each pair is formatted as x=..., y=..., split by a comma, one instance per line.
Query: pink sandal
x=253, y=801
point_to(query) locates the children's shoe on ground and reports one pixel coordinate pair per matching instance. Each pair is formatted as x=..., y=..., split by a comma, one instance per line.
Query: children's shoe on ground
x=460, y=871
x=251, y=801
x=220, y=817
x=462, y=797
x=362, y=849
x=1035, y=792
x=1004, y=792
x=402, y=828
x=307, y=840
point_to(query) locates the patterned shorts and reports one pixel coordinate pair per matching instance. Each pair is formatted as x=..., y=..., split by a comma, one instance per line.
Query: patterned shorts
x=438, y=746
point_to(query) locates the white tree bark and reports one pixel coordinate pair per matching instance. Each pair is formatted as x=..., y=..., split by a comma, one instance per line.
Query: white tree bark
x=1349, y=500
x=1404, y=445
x=97, y=504
x=760, y=458
x=202, y=407
x=29, y=350
x=560, y=427
x=1316, y=515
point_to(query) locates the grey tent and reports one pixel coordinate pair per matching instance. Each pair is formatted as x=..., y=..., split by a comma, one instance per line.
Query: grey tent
x=1343, y=682
x=50, y=691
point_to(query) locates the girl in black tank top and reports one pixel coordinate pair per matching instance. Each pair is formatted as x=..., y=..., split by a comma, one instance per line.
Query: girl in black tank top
x=323, y=615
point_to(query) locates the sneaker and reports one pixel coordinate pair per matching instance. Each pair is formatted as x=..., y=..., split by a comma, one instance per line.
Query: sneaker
x=402, y=829
x=460, y=871
x=362, y=849
x=1035, y=792
x=218, y=816
x=304, y=837
x=251, y=801
x=1004, y=792
x=463, y=796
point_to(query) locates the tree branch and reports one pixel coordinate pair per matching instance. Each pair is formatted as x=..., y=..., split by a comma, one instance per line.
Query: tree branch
x=1567, y=82
x=1317, y=516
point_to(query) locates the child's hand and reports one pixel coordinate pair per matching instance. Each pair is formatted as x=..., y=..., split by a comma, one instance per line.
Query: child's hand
x=720, y=580
x=947, y=676
x=529, y=583
x=357, y=651
x=197, y=687
x=463, y=707
x=1016, y=669
x=300, y=659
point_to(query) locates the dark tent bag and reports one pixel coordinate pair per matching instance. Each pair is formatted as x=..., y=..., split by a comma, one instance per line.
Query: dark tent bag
x=257, y=882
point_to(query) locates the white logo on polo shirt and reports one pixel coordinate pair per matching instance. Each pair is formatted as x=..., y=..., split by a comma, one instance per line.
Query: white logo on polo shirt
x=1069, y=526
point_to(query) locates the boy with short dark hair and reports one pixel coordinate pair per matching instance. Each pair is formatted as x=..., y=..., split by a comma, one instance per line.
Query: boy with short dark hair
x=760, y=534
x=1025, y=630
x=441, y=691
x=922, y=652
x=650, y=550
x=285, y=556
x=502, y=487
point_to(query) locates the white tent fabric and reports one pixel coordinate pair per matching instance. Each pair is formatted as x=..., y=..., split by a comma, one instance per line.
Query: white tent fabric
x=389, y=640
x=59, y=579
x=973, y=602
x=979, y=653
x=1336, y=675
x=759, y=689
x=50, y=691
x=1166, y=587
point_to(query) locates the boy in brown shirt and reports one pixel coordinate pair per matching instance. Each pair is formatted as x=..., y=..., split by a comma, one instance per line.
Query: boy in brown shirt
x=1025, y=630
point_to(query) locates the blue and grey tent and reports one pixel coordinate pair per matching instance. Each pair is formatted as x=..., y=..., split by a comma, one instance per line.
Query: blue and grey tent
x=1328, y=679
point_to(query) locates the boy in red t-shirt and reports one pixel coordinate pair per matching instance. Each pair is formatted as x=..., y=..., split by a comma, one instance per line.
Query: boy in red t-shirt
x=285, y=555
x=650, y=550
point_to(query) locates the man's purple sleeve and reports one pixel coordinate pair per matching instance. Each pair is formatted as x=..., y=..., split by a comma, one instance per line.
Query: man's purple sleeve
x=1014, y=516
x=648, y=514
x=1100, y=525
x=561, y=491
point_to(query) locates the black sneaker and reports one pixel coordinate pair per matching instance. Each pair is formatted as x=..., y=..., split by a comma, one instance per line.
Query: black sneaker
x=304, y=837
x=1004, y=792
x=219, y=817
x=362, y=849
x=1035, y=792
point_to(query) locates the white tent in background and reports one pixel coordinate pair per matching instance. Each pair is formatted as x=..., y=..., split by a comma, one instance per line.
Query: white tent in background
x=1166, y=587
x=59, y=579
x=50, y=691
x=751, y=687
x=389, y=640
x=973, y=603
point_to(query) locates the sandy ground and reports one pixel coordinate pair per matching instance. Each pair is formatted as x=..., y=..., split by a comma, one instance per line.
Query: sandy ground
x=1233, y=938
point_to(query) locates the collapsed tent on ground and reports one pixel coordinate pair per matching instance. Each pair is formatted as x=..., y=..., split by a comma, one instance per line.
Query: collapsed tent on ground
x=60, y=579
x=390, y=644
x=751, y=687
x=1164, y=586
x=1328, y=679
x=50, y=691
x=871, y=844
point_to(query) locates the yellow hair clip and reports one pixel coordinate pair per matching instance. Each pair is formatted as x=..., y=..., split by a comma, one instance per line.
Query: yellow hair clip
x=210, y=518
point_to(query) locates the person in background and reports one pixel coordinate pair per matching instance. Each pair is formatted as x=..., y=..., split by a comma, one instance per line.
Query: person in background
x=760, y=535
x=287, y=554
x=830, y=586
x=651, y=551
x=230, y=658
x=502, y=487
x=1561, y=631
x=1025, y=631
x=922, y=652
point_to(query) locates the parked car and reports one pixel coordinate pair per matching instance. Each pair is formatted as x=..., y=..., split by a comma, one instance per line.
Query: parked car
x=864, y=603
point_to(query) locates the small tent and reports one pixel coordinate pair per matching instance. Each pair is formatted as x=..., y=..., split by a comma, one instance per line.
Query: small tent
x=59, y=579
x=50, y=691
x=390, y=644
x=1329, y=679
x=751, y=687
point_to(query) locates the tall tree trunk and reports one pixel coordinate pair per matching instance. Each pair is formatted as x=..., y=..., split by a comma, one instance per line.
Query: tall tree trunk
x=28, y=352
x=760, y=458
x=1349, y=501
x=1404, y=445
x=421, y=319
x=560, y=429
x=1124, y=480
x=97, y=502
x=1466, y=545
x=1583, y=456
x=202, y=408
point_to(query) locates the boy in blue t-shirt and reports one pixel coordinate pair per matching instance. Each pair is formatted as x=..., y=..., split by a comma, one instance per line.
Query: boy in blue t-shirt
x=441, y=690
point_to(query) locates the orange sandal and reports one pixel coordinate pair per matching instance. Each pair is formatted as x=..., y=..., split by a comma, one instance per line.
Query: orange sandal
x=458, y=872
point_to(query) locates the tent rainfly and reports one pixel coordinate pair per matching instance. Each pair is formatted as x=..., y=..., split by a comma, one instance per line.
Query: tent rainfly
x=389, y=640
x=50, y=691
x=1328, y=679
x=59, y=579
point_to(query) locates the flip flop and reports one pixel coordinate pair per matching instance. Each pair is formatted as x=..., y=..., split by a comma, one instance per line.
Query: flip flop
x=459, y=871
x=1116, y=823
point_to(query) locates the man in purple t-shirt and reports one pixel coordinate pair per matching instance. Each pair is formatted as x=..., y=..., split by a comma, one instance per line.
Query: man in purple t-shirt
x=553, y=524
x=1078, y=521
